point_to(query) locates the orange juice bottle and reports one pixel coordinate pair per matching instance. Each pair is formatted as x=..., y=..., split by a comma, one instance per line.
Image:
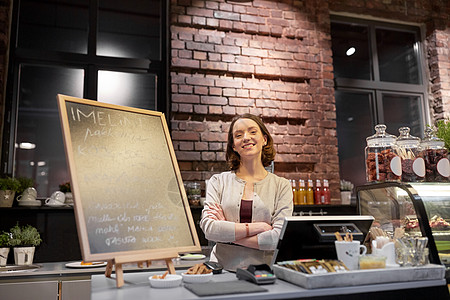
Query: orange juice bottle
x=310, y=193
x=301, y=192
x=294, y=192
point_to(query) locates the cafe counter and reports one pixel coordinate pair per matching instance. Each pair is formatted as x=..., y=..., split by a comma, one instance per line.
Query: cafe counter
x=137, y=287
x=57, y=281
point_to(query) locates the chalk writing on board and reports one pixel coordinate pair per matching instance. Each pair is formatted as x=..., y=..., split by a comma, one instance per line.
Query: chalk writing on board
x=129, y=191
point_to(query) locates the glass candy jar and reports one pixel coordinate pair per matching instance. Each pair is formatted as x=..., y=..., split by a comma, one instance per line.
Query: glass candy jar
x=408, y=149
x=437, y=165
x=382, y=163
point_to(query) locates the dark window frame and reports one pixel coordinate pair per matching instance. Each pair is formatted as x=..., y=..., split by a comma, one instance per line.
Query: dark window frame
x=375, y=86
x=90, y=62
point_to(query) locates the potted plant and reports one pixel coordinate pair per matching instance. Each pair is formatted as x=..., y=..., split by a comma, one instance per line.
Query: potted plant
x=346, y=191
x=8, y=188
x=443, y=132
x=67, y=190
x=24, y=184
x=24, y=239
x=5, y=239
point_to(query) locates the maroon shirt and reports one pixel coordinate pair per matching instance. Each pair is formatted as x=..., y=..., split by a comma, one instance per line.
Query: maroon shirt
x=246, y=211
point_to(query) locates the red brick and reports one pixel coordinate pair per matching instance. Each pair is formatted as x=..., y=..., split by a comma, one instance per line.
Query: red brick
x=201, y=146
x=202, y=12
x=201, y=90
x=199, y=46
x=215, y=110
x=253, y=19
x=212, y=22
x=185, y=136
x=241, y=68
x=200, y=81
x=187, y=155
x=185, y=89
x=185, y=98
x=213, y=136
x=229, y=110
x=241, y=102
x=186, y=146
x=254, y=52
x=200, y=55
x=226, y=15
x=227, y=49
x=215, y=91
x=208, y=156
x=209, y=65
x=222, y=82
x=213, y=100
x=200, y=109
x=187, y=108
x=189, y=63
x=216, y=146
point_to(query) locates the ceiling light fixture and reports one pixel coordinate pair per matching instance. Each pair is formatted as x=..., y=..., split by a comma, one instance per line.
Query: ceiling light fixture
x=350, y=51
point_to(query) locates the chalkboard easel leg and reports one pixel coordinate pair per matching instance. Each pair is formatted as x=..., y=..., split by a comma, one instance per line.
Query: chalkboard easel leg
x=109, y=267
x=170, y=266
x=119, y=275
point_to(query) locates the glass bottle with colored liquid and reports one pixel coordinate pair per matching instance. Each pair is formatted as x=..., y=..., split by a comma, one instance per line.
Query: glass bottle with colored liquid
x=294, y=191
x=318, y=193
x=326, y=192
x=310, y=193
x=301, y=192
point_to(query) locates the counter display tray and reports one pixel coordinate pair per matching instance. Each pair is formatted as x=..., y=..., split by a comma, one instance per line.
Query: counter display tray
x=360, y=277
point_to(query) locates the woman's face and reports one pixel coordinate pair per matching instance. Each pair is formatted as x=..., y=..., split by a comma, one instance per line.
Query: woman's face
x=248, y=139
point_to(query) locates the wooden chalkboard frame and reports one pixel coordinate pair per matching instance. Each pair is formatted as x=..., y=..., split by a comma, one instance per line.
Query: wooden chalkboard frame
x=122, y=256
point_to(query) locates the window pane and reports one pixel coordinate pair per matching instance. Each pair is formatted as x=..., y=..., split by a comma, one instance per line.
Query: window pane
x=127, y=89
x=38, y=124
x=403, y=110
x=397, y=57
x=354, y=124
x=54, y=25
x=347, y=64
x=131, y=31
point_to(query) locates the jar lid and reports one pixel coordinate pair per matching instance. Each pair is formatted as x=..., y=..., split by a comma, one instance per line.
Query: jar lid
x=406, y=140
x=381, y=137
x=431, y=141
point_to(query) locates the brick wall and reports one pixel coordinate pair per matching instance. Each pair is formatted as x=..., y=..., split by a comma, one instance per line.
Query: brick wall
x=269, y=58
x=273, y=59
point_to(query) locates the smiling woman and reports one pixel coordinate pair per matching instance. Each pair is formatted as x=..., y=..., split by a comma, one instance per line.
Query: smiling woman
x=245, y=221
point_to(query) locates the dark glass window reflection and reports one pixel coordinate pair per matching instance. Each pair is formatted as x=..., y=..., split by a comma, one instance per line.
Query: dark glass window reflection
x=54, y=25
x=403, y=110
x=131, y=31
x=127, y=89
x=39, y=150
x=397, y=56
x=354, y=124
x=351, y=55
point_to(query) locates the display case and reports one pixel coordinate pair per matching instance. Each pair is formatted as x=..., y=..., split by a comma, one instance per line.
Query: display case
x=422, y=209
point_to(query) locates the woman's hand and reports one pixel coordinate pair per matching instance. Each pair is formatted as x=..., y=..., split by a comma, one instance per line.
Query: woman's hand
x=258, y=227
x=216, y=212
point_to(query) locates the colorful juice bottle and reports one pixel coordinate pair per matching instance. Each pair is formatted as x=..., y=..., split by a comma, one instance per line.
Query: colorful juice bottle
x=310, y=193
x=301, y=193
x=326, y=192
x=318, y=193
x=294, y=191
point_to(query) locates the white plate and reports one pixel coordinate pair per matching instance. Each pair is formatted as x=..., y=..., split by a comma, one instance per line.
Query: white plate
x=170, y=281
x=193, y=256
x=196, y=278
x=78, y=264
x=55, y=205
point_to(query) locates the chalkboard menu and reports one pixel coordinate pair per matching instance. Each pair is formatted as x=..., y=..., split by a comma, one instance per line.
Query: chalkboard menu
x=128, y=193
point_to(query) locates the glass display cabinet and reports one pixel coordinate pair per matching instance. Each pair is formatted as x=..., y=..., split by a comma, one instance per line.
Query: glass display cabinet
x=422, y=209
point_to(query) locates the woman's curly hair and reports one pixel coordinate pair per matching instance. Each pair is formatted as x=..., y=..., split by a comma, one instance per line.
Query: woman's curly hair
x=268, y=151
